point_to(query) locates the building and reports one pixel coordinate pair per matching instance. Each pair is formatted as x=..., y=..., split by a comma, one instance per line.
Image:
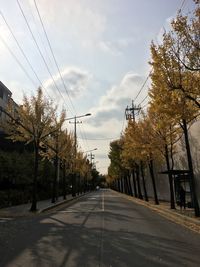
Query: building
x=5, y=99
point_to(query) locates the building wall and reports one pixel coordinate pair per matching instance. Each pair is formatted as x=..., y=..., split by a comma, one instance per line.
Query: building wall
x=5, y=98
x=180, y=159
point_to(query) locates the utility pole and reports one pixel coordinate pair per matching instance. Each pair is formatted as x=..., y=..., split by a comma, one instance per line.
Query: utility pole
x=75, y=149
x=75, y=152
x=92, y=156
x=130, y=111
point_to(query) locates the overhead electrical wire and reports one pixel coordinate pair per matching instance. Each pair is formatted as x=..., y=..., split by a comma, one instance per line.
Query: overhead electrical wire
x=100, y=139
x=182, y=4
x=17, y=60
x=58, y=69
x=142, y=87
x=22, y=51
x=123, y=124
x=53, y=55
x=39, y=50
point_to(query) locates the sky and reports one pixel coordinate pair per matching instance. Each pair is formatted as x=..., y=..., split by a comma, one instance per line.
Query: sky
x=102, y=51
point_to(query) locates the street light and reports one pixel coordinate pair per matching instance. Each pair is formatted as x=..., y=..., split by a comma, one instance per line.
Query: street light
x=90, y=150
x=77, y=117
x=75, y=144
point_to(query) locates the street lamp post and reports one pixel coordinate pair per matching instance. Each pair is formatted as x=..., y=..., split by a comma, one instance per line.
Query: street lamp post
x=91, y=157
x=75, y=149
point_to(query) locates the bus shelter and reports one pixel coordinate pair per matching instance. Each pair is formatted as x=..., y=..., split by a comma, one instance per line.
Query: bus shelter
x=181, y=181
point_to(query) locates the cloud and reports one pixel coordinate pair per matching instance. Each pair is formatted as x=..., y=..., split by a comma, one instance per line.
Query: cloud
x=5, y=38
x=166, y=28
x=113, y=103
x=112, y=47
x=81, y=22
x=108, y=47
x=75, y=79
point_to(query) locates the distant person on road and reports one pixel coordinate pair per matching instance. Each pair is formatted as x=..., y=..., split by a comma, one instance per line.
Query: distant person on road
x=182, y=197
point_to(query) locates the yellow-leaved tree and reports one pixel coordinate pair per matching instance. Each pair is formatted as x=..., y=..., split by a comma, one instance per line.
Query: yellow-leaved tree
x=170, y=81
x=33, y=124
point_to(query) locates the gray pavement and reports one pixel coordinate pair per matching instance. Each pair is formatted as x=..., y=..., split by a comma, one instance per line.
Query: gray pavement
x=100, y=229
x=42, y=205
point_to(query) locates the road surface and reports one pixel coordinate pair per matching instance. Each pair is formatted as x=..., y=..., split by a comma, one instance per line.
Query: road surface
x=100, y=229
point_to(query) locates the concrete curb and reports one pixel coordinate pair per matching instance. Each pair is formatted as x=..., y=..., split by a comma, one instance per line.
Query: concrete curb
x=190, y=223
x=27, y=213
x=61, y=203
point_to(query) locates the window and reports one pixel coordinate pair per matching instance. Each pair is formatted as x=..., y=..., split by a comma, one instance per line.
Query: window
x=1, y=92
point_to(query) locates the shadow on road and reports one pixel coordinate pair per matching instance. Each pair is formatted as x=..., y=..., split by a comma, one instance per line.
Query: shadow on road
x=75, y=239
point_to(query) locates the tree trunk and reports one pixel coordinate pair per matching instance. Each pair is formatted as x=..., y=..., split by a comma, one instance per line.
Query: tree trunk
x=74, y=184
x=118, y=185
x=129, y=184
x=138, y=182
x=190, y=166
x=143, y=181
x=64, y=180
x=54, y=189
x=172, y=201
x=126, y=185
x=34, y=189
x=122, y=185
x=153, y=181
x=134, y=183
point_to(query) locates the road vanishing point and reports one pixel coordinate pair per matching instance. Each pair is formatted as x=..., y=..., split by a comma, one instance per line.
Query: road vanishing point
x=102, y=229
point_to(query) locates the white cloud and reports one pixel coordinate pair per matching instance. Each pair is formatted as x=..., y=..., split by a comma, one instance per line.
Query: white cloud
x=81, y=22
x=108, y=47
x=75, y=79
x=112, y=105
x=4, y=37
x=166, y=28
x=113, y=47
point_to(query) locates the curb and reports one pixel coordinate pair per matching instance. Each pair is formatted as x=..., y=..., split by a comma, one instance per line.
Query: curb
x=190, y=223
x=9, y=214
x=61, y=202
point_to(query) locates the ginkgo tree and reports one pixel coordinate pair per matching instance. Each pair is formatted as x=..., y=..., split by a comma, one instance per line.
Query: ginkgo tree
x=117, y=170
x=33, y=124
x=186, y=32
x=167, y=75
x=130, y=156
x=166, y=133
x=179, y=56
x=53, y=146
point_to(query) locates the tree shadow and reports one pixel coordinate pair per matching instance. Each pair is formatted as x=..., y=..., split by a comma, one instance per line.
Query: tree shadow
x=90, y=239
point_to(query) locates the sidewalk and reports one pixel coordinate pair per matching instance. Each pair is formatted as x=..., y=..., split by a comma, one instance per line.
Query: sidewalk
x=43, y=205
x=185, y=217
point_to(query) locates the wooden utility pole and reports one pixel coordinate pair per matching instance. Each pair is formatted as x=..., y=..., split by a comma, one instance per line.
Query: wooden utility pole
x=130, y=112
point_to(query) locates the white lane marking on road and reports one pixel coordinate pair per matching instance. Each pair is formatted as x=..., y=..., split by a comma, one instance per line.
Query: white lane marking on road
x=5, y=219
x=102, y=231
x=79, y=211
x=103, y=202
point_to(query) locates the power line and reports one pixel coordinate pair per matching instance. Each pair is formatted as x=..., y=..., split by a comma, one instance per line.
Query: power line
x=101, y=139
x=17, y=60
x=183, y=2
x=123, y=123
x=144, y=99
x=58, y=69
x=40, y=52
x=82, y=132
x=142, y=87
x=20, y=48
x=145, y=105
x=53, y=55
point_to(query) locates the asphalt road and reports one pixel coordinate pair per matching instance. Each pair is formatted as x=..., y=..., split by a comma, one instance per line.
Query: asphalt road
x=100, y=229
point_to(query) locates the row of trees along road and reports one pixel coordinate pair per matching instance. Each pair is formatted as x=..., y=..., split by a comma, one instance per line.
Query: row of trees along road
x=173, y=107
x=37, y=123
